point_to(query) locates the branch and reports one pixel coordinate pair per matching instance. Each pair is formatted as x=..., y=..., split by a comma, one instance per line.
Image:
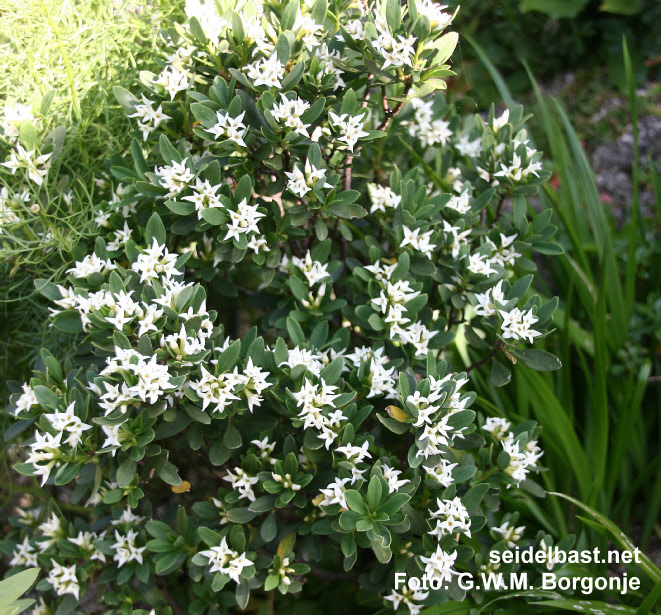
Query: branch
x=494, y=351
x=392, y=113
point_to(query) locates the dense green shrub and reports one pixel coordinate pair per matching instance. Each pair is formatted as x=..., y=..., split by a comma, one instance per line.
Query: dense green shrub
x=274, y=312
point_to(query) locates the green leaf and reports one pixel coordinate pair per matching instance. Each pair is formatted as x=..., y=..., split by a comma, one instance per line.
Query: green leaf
x=355, y=501
x=499, y=375
x=394, y=503
x=68, y=322
x=474, y=496
x=169, y=475
x=374, y=493
x=14, y=587
x=229, y=357
x=295, y=332
x=28, y=135
x=619, y=537
x=155, y=230
x=232, y=437
x=332, y=372
x=208, y=536
x=219, y=453
x=445, y=47
x=346, y=211
x=539, y=360
x=293, y=77
x=46, y=398
x=125, y=98
x=241, y=515
x=126, y=472
x=263, y=503
x=394, y=14
x=269, y=529
x=289, y=15
x=242, y=594
x=168, y=152
x=548, y=247
x=196, y=30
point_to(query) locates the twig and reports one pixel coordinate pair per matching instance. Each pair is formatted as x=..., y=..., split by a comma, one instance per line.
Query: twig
x=392, y=113
x=495, y=350
x=168, y=597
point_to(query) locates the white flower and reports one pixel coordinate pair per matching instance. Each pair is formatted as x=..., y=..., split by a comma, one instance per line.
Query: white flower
x=266, y=448
x=45, y=448
x=126, y=549
x=516, y=325
x=438, y=20
x=326, y=57
x=439, y=565
x=207, y=14
x=520, y=459
x=395, y=51
x=509, y=534
x=417, y=241
x=289, y=112
x=175, y=177
x=501, y=121
x=222, y=559
x=267, y=72
x=85, y=540
x=451, y=517
x=155, y=261
x=407, y=597
x=479, y=263
x=460, y=203
x=497, y=427
x=505, y=254
x=148, y=117
x=355, y=454
x=242, y=482
x=127, y=518
x=300, y=183
x=355, y=29
x=314, y=271
x=173, y=80
x=26, y=400
x=22, y=159
x=68, y=421
x=350, y=129
x=486, y=302
x=243, y=221
x=429, y=131
x=24, y=554
x=392, y=477
x=205, y=196
x=442, y=472
x=382, y=197
x=13, y=116
x=63, y=579
x=465, y=147
x=232, y=128
x=313, y=362
x=91, y=264
x=334, y=493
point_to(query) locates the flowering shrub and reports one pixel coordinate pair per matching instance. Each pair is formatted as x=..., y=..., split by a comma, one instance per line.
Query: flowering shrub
x=304, y=259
